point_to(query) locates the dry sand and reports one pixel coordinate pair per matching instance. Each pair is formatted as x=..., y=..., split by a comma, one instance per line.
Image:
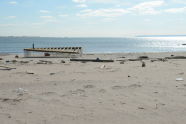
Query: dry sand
x=93, y=93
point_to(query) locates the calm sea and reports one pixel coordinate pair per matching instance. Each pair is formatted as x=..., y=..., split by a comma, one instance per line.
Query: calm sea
x=97, y=45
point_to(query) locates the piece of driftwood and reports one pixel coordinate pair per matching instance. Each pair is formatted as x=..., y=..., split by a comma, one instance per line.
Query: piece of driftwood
x=143, y=57
x=6, y=68
x=92, y=60
x=44, y=62
x=159, y=59
x=134, y=59
x=176, y=57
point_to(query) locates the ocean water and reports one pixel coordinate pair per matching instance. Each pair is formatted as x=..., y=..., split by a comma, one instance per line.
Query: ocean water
x=97, y=45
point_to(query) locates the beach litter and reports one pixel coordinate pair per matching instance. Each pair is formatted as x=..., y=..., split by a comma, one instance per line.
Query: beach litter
x=21, y=91
x=6, y=68
x=143, y=64
x=16, y=56
x=62, y=61
x=102, y=66
x=29, y=72
x=179, y=79
x=44, y=62
x=122, y=62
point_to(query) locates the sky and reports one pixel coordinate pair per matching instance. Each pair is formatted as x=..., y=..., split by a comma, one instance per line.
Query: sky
x=92, y=18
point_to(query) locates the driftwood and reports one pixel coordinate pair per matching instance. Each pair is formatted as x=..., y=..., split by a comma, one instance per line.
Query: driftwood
x=134, y=59
x=44, y=62
x=176, y=57
x=159, y=59
x=92, y=60
x=143, y=57
x=6, y=68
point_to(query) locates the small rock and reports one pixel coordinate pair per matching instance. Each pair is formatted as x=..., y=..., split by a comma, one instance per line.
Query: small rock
x=14, y=61
x=1, y=58
x=62, y=61
x=52, y=73
x=29, y=72
x=141, y=108
x=16, y=56
x=122, y=62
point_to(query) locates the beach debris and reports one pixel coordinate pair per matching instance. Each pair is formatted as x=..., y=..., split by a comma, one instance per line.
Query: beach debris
x=46, y=54
x=143, y=57
x=29, y=72
x=44, y=62
x=122, y=62
x=21, y=91
x=141, y=108
x=52, y=73
x=102, y=66
x=89, y=86
x=134, y=59
x=62, y=61
x=11, y=100
x=93, y=60
x=24, y=62
x=14, y=61
x=7, y=61
x=176, y=57
x=159, y=59
x=6, y=68
x=16, y=56
x=143, y=64
x=182, y=73
x=179, y=79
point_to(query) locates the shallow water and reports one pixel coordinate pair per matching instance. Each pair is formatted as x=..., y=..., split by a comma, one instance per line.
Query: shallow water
x=96, y=45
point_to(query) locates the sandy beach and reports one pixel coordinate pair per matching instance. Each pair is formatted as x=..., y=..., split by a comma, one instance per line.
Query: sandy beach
x=57, y=90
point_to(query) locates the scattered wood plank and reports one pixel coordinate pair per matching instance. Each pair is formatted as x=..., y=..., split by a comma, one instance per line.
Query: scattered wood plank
x=6, y=68
x=92, y=60
x=176, y=57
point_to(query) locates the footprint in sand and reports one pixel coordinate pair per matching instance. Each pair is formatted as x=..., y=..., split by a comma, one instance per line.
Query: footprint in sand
x=134, y=86
x=11, y=101
x=118, y=87
x=48, y=93
x=77, y=92
x=122, y=87
x=102, y=90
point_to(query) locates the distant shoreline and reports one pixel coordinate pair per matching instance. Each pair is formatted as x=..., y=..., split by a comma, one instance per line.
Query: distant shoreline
x=184, y=35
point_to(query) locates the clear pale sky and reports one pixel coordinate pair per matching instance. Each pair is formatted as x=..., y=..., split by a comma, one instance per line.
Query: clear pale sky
x=92, y=18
